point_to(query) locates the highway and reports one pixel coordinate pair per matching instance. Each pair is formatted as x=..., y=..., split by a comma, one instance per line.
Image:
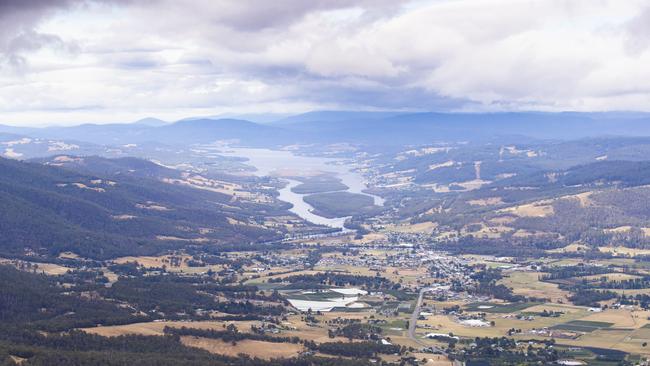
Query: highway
x=414, y=321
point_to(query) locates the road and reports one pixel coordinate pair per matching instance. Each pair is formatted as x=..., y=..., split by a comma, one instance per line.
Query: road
x=414, y=321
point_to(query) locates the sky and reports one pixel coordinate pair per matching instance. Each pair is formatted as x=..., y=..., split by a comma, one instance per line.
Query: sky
x=77, y=61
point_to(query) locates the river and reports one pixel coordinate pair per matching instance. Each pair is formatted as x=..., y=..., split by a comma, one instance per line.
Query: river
x=270, y=162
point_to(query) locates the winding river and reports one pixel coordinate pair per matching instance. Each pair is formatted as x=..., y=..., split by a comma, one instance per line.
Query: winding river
x=274, y=162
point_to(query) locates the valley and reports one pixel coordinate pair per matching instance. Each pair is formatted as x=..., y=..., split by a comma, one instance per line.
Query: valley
x=331, y=253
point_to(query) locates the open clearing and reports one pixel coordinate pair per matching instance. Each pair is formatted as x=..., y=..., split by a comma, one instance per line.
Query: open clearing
x=528, y=284
x=156, y=328
x=264, y=350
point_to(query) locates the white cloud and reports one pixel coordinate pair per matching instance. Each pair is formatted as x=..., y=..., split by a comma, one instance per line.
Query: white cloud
x=102, y=61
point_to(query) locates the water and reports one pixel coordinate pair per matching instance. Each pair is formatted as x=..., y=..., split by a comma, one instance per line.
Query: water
x=267, y=162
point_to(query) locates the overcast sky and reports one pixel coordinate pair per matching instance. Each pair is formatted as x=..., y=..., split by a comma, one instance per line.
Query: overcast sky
x=71, y=61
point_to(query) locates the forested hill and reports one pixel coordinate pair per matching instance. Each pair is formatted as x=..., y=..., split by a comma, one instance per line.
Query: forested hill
x=601, y=173
x=48, y=210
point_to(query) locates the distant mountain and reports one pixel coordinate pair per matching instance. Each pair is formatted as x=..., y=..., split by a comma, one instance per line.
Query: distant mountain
x=151, y=122
x=47, y=210
x=368, y=128
x=335, y=116
x=209, y=130
x=262, y=118
x=418, y=128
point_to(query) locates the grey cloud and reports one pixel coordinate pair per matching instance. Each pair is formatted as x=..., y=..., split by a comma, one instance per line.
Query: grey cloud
x=18, y=19
x=254, y=15
x=638, y=33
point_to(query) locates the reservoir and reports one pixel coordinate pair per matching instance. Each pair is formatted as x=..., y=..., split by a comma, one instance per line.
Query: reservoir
x=286, y=163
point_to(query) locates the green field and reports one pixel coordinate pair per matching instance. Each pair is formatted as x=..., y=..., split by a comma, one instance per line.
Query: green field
x=582, y=326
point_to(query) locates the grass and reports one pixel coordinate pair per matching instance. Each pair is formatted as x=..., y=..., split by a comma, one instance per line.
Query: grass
x=584, y=326
x=264, y=350
x=500, y=308
x=528, y=284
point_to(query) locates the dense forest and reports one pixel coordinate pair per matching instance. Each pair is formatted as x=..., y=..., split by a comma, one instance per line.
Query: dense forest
x=48, y=210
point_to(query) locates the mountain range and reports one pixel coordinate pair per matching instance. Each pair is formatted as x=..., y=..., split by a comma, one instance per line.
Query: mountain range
x=368, y=128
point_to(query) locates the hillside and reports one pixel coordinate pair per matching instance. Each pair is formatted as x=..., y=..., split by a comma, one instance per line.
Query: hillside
x=48, y=210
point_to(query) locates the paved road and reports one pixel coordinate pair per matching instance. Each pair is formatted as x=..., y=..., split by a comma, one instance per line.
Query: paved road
x=414, y=321
x=414, y=318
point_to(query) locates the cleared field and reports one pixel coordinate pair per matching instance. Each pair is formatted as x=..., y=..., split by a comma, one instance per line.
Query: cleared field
x=564, y=308
x=622, y=340
x=537, y=209
x=571, y=248
x=632, y=252
x=156, y=328
x=528, y=284
x=264, y=350
x=486, y=201
x=280, y=276
x=446, y=324
x=621, y=318
x=583, y=326
x=433, y=360
x=421, y=227
x=488, y=307
x=47, y=268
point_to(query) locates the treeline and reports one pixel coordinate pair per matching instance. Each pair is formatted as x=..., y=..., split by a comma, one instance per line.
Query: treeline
x=357, y=331
x=230, y=334
x=365, y=349
x=80, y=348
x=486, y=285
x=338, y=279
x=563, y=272
x=175, y=297
x=583, y=297
x=629, y=284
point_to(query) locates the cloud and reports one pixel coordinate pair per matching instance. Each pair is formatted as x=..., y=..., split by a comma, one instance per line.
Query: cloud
x=638, y=32
x=165, y=57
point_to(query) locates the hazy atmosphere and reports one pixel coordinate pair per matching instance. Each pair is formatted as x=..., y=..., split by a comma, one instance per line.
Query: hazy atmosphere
x=325, y=183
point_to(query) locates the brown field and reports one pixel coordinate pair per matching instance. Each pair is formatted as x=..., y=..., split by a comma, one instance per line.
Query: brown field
x=156, y=328
x=621, y=318
x=260, y=349
x=571, y=248
x=369, y=238
x=537, y=209
x=283, y=275
x=626, y=333
x=623, y=340
x=47, y=268
x=164, y=260
x=486, y=201
x=632, y=252
x=433, y=360
x=528, y=284
x=422, y=227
